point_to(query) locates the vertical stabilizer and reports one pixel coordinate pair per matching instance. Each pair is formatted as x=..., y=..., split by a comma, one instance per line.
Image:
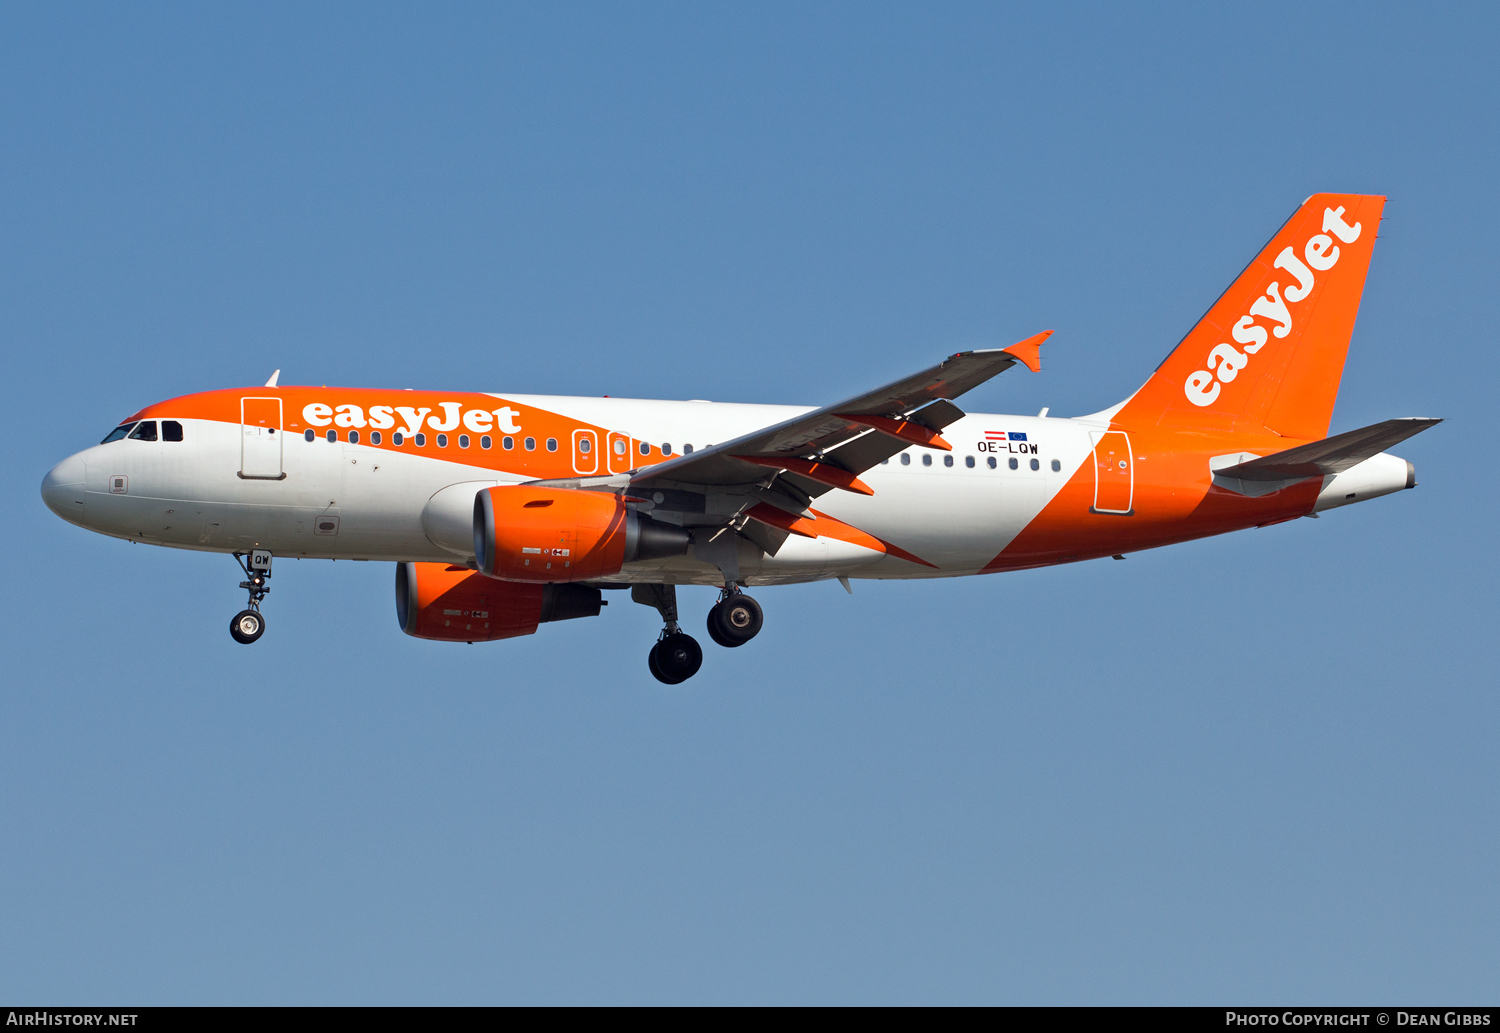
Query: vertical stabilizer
x=1270, y=352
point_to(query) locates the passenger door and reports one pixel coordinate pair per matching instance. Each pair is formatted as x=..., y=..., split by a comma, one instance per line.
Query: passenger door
x=260, y=439
x=1114, y=474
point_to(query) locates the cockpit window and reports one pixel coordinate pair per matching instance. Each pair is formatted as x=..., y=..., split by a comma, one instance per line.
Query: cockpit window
x=171, y=430
x=144, y=431
x=118, y=433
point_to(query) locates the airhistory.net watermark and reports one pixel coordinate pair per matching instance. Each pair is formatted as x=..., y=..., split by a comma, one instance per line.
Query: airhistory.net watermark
x=45, y=1017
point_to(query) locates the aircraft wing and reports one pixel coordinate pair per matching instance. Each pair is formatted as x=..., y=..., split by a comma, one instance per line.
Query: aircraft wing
x=829, y=447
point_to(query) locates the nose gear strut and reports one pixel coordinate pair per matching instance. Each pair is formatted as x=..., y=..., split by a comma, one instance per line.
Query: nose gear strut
x=248, y=625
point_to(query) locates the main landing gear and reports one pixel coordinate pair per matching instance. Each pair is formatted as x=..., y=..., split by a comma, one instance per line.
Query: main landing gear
x=735, y=618
x=248, y=625
x=676, y=657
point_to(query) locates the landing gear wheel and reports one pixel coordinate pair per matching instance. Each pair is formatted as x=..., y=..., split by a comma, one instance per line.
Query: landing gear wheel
x=675, y=658
x=735, y=620
x=717, y=635
x=247, y=626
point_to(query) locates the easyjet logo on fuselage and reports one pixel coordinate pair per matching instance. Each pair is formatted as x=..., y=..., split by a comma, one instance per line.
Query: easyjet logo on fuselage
x=1226, y=361
x=383, y=417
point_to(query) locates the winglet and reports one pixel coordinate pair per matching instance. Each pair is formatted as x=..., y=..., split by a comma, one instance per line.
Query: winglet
x=1029, y=351
x=272, y=381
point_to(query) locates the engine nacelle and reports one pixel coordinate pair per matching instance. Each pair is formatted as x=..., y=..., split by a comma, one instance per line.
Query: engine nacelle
x=529, y=533
x=454, y=604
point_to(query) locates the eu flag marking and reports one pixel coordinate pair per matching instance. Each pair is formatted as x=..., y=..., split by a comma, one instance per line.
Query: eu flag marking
x=1017, y=436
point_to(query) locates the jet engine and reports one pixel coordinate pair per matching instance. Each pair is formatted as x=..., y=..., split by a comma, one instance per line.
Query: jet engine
x=455, y=604
x=529, y=533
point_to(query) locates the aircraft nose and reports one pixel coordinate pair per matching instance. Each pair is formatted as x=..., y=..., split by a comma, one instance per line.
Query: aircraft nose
x=62, y=489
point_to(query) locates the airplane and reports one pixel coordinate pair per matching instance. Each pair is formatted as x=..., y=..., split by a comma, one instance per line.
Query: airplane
x=503, y=512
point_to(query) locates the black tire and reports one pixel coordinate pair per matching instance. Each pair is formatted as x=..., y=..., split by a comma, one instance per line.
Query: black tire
x=676, y=658
x=737, y=619
x=656, y=671
x=247, y=626
x=713, y=629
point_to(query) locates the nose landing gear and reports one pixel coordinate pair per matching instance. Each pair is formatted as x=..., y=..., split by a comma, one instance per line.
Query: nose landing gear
x=248, y=625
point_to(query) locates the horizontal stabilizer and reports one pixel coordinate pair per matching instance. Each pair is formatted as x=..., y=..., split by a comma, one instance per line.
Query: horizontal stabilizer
x=1329, y=456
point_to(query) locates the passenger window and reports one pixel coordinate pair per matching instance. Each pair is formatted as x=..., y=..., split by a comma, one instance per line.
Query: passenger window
x=144, y=431
x=442, y=441
x=507, y=442
x=947, y=460
x=333, y=435
x=991, y=461
x=485, y=442
x=666, y=449
x=171, y=430
x=687, y=450
x=463, y=441
x=969, y=462
x=551, y=444
x=421, y=440
x=530, y=444
x=308, y=435
x=374, y=437
x=117, y=434
x=886, y=461
x=354, y=437
x=1013, y=464
x=905, y=458
x=398, y=438
x=1056, y=466
x=1036, y=464
x=585, y=445
x=926, y=458
x=645, y=449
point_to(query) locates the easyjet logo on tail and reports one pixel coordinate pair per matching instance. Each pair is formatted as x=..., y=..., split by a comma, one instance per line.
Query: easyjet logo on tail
x=1226, y=361
x=383, y=417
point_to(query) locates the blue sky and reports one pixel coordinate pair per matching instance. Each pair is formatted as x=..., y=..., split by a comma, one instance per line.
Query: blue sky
x=1259, y=768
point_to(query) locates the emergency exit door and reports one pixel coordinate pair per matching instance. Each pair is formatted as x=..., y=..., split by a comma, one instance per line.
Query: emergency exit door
x=260, y=439
x=620, y=459
x=1114, y=474
x=585, y=452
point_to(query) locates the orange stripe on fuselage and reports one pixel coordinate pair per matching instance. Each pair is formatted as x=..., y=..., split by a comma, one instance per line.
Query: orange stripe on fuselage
x=540, y=424
x=1174, y=501
x=829, y=527
x=849, y=533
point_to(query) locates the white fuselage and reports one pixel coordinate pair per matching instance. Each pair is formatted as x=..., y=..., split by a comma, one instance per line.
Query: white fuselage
x=352, y=501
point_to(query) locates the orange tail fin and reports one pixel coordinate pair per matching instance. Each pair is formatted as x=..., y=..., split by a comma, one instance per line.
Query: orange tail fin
x=1270, y=352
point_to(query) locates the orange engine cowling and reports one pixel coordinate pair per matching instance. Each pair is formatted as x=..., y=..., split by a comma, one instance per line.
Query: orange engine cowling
x=529, y=533
x=455, y=604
